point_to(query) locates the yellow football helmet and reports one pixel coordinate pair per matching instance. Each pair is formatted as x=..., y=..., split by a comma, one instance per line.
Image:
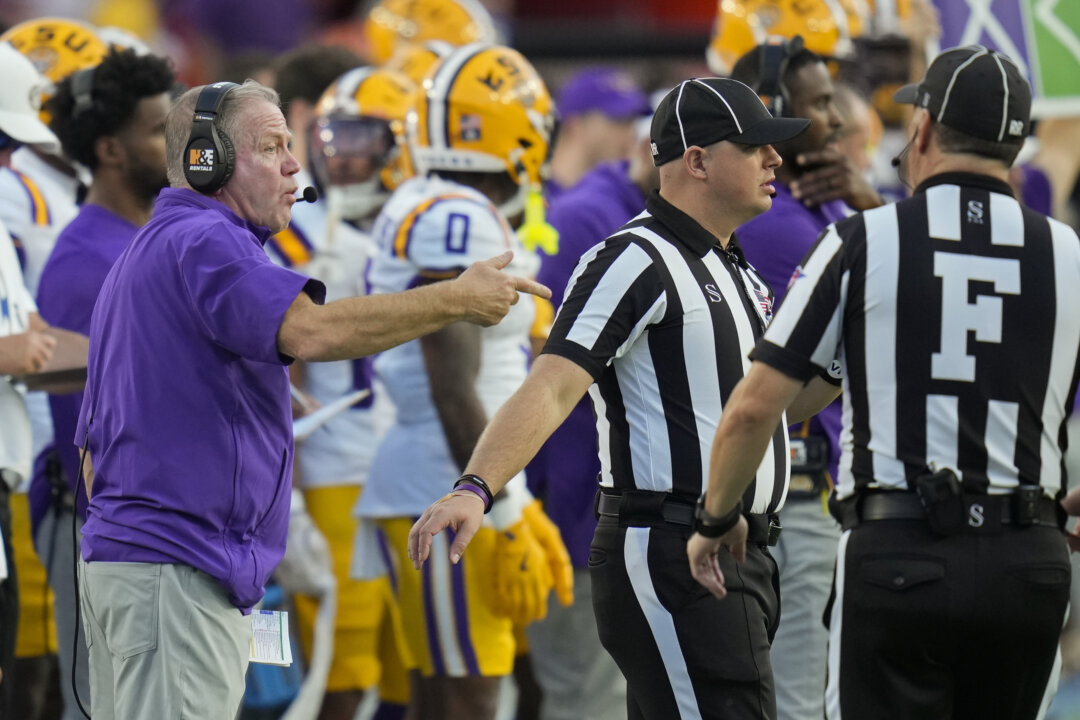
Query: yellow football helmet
x=484, y=108
x=357, y=147
x=392, y=23
x=742, y=25
x=57, y=46
x=415, y=59
x=857, y=13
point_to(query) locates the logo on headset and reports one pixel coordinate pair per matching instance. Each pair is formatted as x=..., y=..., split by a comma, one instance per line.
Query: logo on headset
x=201, y=159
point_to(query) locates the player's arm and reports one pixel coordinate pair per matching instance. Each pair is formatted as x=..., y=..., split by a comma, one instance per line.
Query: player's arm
x=359, y=326
x=29, y=351
x=452, y=361
x=514, y=435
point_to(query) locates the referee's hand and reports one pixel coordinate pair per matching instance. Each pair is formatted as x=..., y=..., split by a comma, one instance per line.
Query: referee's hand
x=463, y=512
x=702, y=553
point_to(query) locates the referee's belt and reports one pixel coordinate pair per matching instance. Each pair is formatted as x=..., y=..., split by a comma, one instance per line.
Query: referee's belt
x=981, y=512
x=649, y=508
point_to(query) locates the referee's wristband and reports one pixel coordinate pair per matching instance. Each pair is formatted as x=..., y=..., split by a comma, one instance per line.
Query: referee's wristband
x=711, y=526
x=476, y=484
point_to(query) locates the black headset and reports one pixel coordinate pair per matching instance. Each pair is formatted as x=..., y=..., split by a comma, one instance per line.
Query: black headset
x=776, y=52
x=82, y=91
x=209, y=156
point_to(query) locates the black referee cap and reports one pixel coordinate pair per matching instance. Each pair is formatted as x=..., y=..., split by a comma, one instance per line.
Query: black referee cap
x=976, y=91
x=703, y=111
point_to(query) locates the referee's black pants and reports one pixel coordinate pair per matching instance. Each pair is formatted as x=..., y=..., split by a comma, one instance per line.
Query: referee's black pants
x=685, y=654
x=935, y=628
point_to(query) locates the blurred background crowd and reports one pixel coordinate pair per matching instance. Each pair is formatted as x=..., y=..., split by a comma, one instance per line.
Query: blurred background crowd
x=601, y=59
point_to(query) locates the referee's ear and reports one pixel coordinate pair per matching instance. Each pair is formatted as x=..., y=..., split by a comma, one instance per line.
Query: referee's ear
x=695, y=158
x=924, y=132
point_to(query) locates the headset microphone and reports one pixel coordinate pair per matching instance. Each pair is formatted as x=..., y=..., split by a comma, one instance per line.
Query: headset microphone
x=310, y=194
x=898, y=161
x=899, y=158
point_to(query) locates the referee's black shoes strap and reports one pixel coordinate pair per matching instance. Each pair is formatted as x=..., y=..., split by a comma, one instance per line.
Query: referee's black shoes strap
x=712, y=526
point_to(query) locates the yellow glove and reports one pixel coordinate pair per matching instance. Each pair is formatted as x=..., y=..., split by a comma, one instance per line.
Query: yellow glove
x=549, y=537
x=521, y=574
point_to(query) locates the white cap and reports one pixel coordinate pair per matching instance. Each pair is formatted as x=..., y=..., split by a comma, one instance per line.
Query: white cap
x=120, y=38
x=20, y=101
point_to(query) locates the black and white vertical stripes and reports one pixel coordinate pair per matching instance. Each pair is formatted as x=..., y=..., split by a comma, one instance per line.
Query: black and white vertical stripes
x=956, y=314
x=664, y=318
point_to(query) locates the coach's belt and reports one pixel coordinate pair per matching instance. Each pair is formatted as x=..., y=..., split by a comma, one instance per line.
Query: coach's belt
x=981, y=511
x=647, y=508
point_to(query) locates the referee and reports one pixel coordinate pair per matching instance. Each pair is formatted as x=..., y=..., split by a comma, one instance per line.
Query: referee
x=955, y=315
x=657, y=323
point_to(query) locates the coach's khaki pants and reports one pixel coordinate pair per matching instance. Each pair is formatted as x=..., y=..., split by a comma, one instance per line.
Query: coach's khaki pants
x=164, y=641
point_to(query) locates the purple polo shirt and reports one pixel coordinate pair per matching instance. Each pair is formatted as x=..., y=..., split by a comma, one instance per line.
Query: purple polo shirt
x=186, y=405
x=775, y=243
x=567, y=465
x=84, y=253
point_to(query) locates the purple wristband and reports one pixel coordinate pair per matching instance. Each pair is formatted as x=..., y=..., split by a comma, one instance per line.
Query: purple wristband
x=484, y=497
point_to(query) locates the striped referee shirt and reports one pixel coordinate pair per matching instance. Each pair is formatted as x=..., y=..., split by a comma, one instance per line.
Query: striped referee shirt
x=663, y=318
x=956, y=316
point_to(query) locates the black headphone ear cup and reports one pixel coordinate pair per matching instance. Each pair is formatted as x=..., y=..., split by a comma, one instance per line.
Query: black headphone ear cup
x=201, y=162
x=228, y=156
x=209, y=156
x=775, y=54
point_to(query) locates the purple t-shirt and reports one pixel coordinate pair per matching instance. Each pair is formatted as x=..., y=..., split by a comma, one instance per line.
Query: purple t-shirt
x=186, y=407
x=775, y=243
x=84, y=253
x=567, y=465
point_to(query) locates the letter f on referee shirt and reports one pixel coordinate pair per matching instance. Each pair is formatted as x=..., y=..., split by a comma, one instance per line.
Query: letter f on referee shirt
x=958, y=316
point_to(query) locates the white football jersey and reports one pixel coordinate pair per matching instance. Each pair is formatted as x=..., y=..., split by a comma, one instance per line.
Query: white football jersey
x=430, y=229
x=337, y=253
x=16, y=306
x=37, y=201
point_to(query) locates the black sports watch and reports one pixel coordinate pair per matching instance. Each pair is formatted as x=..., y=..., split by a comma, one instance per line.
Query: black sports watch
x=711, y=526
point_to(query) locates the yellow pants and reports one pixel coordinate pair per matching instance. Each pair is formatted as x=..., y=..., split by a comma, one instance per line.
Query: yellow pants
x=369, y=643
x=37, y=627
x=446, y=608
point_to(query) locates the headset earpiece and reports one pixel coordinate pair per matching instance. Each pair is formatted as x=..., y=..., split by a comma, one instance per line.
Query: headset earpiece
x=82, y=91
x=209, y=156
x=775, y=54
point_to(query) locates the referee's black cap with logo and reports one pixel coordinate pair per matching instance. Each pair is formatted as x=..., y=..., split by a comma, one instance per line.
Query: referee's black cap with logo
x=703, y=111
x=974, y=90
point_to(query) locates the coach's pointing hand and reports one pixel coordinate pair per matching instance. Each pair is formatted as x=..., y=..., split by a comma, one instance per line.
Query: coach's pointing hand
x=488, y=293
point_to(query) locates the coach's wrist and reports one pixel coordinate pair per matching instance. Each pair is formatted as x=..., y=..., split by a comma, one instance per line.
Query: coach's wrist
x=713, y=526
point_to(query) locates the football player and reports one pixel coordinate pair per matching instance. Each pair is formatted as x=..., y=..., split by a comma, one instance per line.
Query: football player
x=37, y=200
x=478, y=136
